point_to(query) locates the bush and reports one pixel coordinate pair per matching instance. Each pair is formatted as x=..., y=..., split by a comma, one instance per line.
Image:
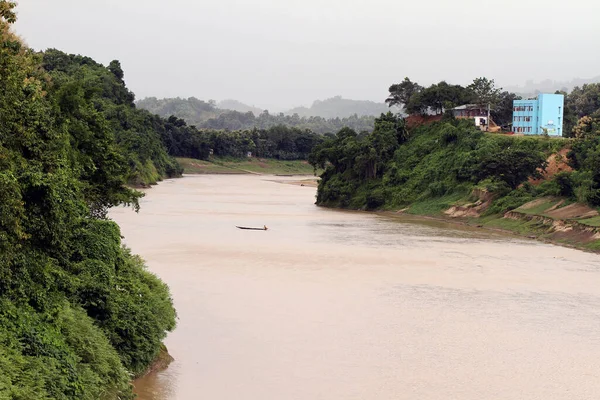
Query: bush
x=375, y=199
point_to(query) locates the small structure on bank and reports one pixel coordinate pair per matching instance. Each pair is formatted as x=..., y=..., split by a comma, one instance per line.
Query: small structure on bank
x=478, y=114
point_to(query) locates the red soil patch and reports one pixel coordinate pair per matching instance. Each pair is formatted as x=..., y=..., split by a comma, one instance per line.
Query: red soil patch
x=413, y=121
x=556, y=163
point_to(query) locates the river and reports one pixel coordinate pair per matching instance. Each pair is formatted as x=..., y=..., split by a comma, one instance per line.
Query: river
x=332, y=305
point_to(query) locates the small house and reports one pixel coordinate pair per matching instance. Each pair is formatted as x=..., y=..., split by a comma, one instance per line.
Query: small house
x=477, y=113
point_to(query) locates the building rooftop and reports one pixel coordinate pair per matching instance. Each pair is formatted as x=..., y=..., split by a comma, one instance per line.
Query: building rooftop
x=467, y=107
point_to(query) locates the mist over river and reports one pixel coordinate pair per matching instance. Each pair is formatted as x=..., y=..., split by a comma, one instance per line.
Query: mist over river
x=335, y=305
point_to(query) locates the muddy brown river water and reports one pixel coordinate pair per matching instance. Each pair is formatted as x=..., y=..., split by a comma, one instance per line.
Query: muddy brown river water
x=332, y=305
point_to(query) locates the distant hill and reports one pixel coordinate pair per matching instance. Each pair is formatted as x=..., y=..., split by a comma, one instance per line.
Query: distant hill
x=338, y=107
x=532, y=88
x=358, y=115
x=235, y=105
x=192, y=110
x=225, y=114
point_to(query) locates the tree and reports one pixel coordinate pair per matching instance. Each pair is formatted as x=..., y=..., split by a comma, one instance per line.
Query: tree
x=485, y=92
x=585, y=101
x=401, y=93
x=502, y=113
x=439, y=97
x=6, y=11
x=115, y=68
x=587, y=127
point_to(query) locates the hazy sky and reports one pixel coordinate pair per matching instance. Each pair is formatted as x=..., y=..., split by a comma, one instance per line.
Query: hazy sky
x=282, y=53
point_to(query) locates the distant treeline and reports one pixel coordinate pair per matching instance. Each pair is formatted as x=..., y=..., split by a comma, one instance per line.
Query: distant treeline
x=279, y=142
x=206, y=115
x=233, y=120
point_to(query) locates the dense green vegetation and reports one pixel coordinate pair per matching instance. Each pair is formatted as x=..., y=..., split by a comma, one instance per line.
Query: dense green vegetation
x=442, y=96
x=79, y=314
x=582, y=104
x=206, y=115
x=92, y=98
x=280, y=142
x=393, y=168
x=434, y=166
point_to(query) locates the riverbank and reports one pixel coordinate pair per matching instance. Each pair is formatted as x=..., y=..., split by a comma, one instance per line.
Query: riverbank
x=550, y=220
x=160, y=363
x=257, y=166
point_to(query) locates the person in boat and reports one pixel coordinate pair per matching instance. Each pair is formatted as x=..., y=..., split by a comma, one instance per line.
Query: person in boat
x=265, y=227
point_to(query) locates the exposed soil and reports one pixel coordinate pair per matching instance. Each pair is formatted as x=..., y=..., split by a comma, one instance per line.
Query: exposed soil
x=556, y=211
x=556, y=163
x=473, y=210
x=161, y=362
x=412, y=121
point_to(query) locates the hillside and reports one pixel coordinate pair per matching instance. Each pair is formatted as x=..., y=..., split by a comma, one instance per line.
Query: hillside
x=206, y=115
x=192, y=110
x=235, y=105
x=338, y=107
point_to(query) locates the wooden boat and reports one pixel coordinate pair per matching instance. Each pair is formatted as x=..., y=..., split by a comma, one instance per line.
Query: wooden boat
x=264, y=228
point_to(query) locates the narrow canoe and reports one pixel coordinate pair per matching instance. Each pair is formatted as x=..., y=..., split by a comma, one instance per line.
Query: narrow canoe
x=252, y=229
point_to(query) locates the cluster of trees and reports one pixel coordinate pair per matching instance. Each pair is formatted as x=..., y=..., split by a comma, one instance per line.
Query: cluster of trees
x=280, y=142
x=79, y=314
x=442, y=96
x=93, y=98
x=582, y=104
x=206, y=115
x=234, y=120
x=582, y=111
x=392, y=168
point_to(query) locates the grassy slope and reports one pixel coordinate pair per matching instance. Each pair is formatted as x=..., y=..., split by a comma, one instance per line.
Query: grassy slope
x=246, y=166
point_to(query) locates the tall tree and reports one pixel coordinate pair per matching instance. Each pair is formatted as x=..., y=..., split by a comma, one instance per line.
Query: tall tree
x=585, y=100
x=401, y=93
x=485, y=92
x=439, y=97
x=503, y=111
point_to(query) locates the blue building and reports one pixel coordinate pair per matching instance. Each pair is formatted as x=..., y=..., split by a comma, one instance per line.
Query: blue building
x=539, y=115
